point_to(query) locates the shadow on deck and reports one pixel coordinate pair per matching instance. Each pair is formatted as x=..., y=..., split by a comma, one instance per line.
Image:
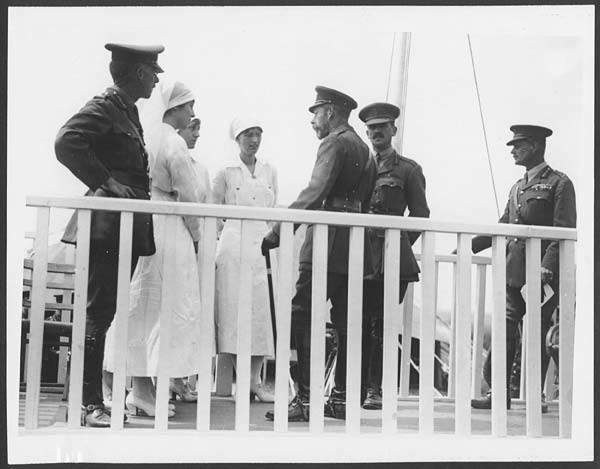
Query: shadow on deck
x=222, y=415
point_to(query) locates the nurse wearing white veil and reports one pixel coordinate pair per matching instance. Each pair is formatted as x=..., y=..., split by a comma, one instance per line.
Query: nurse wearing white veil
x=173, y=179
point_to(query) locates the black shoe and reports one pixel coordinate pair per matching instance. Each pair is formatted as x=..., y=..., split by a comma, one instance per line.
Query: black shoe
x=298, y=411
x=95, y=416
x=486, y=402
x=373, y=400
x=336, y=405
x=544, y=405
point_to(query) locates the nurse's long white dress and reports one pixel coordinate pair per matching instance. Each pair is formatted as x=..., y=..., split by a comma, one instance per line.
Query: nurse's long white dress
x=235, y=185
x=175, y=177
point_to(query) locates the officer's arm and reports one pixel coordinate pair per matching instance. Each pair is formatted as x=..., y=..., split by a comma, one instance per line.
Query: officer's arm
x=479, y=243
x=74, y=145
x=565, y=216
x=416, y=199
x=325, y=173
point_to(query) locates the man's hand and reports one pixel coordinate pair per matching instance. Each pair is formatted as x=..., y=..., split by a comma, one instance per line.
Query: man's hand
x=546, y=275
x=120, y=190
x=270, y=241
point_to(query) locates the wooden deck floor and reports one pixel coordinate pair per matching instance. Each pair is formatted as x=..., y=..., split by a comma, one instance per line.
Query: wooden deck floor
x=52, y=413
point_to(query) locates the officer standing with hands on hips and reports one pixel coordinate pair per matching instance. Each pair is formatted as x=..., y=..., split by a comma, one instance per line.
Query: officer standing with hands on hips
x=544, y=197
x=400, y=184
x=103, y=146
x=342, y=180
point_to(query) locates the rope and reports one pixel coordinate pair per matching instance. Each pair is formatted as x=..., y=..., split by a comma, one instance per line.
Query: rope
x=387, y=92
x=483, y=126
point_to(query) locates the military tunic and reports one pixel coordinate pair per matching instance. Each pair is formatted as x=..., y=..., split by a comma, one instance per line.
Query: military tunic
x=548, y=199
x=103, y=139
x=342, y=180
x=400, y=185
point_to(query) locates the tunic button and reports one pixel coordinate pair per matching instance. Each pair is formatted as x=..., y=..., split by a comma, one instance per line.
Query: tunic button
x=519, y=205
x=516, y=219
x=516, y=240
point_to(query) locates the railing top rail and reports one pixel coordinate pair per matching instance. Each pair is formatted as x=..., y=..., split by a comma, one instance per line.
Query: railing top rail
x=300, y=216
x=452, y=258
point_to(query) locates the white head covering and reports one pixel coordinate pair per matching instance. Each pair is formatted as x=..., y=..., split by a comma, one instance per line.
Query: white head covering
x=176, y=94
x=167, y=95
x=239, y=124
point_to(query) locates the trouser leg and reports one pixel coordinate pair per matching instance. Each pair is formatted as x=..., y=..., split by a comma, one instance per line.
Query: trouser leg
x=101, y=307
x=373, y=321
x=301, y=310
x=515, y=310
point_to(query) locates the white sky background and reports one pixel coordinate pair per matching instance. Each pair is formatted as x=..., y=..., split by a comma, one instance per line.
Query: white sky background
x=533, y=66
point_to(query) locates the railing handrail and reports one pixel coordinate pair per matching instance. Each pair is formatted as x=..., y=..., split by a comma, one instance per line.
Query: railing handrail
x=301, y=216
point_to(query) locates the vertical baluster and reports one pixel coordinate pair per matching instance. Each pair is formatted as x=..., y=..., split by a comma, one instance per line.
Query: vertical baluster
x=463, y=337
x=427, y=334
x=452, y=351
x=121, y=320
x=206, y=273
x=162, y=380
x=36, y=318
x=244, y=326
x=283, y=322
x=317, y=330
x=79, y=313
x=533, y=338
x=355, y=301
x=567, y=331
x=498, y=345
x=391, y=330
x=479, y=329
x=407, y=324
x=523, y=368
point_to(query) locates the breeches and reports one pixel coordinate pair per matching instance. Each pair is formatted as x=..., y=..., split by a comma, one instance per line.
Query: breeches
x=515, y=310
x=101, y=308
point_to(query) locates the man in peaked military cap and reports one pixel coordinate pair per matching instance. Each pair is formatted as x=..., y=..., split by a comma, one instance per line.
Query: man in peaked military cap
x=544, y=197
x=103, y=146
x=342, y=180
x=400, y=185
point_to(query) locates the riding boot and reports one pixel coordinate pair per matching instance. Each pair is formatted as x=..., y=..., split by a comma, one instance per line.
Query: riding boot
x=298, y=409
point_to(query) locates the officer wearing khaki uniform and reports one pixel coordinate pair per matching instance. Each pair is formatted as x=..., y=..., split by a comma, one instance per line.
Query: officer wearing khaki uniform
x=544, y=197
x=103, y=146
x=400, y=185
x=342, y=180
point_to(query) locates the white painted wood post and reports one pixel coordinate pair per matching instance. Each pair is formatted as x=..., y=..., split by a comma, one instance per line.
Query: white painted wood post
x=427, y=334
x=36, y=319
x=317, y=329
x=355, y=313
x=244, y=323
x=206, y=271
x=407, y=324
x=82, y=258
x=478, y=330
x=283, y=309
x=121, y=320
x=391, y=329
x=498, y=345
x=533, y=416
x=452, y=348
x=462, y=407
x=567, y=331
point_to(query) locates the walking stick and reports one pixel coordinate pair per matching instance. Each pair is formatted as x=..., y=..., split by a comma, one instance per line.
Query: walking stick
x=271, y=297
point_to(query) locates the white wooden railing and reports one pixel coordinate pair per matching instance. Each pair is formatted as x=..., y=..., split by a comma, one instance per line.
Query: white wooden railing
x=462, y=384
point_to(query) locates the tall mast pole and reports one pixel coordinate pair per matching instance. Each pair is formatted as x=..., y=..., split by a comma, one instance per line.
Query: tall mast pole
x=397, y=82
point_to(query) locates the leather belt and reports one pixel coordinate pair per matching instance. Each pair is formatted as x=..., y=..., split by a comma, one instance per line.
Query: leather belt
x=341, y=204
